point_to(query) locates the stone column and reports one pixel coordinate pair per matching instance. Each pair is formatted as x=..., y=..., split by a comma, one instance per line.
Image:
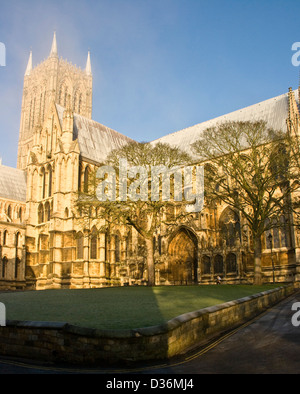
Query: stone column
x=102, y=263
x=112, y=257
x=86, y=250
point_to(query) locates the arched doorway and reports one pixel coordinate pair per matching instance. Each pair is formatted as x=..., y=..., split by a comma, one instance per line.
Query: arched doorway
x=183, y=263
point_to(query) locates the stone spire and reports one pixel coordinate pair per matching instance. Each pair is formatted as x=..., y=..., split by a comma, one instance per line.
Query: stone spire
x=53, y=52
x=88, y=68
x=29, y=65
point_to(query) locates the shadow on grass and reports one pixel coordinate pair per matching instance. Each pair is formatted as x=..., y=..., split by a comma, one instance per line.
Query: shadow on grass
x=124, y=308
x=105, y=308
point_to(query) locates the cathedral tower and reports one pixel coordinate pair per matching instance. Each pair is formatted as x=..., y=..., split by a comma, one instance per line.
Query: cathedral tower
x=51, y=81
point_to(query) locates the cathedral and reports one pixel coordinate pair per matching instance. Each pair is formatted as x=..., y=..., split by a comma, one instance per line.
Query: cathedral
x=43, y=244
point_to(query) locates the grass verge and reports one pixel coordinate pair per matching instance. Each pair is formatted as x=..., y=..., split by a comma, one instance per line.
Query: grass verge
x=120, y=307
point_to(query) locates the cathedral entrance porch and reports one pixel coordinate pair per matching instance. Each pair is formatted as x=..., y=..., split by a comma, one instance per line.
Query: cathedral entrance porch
x=182, y=262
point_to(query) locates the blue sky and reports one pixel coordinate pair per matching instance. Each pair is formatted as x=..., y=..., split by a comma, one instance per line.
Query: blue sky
x=158, y=65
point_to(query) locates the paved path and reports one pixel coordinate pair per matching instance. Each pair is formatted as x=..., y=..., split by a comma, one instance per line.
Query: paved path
x=269, y=344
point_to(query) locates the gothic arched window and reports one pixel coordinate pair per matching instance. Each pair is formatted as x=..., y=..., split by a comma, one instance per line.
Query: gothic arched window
x=206, y=265
x=230, y=230
x=17, y=267
x=277, y=235
x=93, y=252
x=284, y=232
x=9, y=212
x=218, y=264
x=79, y=177
x=86, y=179
x=40, y=214
x=47, y=212
x=49, y=181
x=20, y=214
x=43, y=183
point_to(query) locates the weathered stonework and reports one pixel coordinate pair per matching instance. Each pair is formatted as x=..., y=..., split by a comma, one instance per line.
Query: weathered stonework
x=59, y=147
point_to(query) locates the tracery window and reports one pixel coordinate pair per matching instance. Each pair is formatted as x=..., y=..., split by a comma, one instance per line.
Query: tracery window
x=230, y=230
x=206, y=265
x=218, y=264
x=277, y=236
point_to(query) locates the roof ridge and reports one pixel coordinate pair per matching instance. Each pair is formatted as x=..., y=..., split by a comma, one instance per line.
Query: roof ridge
x=221, y=116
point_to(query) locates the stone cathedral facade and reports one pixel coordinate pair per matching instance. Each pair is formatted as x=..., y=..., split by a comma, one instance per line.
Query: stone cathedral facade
x=43, y=242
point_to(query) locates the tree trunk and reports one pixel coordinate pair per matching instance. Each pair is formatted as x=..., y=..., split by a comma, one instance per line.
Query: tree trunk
x=257, y=260
x=150, y=262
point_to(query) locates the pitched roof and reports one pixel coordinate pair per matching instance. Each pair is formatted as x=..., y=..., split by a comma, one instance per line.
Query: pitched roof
x=95, y=140
x=12, y=183
x=274, y=111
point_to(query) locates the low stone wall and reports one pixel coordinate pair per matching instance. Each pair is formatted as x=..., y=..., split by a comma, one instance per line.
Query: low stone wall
x=61, y=342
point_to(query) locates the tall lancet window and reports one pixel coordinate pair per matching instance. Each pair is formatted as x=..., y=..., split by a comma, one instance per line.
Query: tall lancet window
x=43, y=182
x=93, y=251
x=50, y=181
x=86, y=179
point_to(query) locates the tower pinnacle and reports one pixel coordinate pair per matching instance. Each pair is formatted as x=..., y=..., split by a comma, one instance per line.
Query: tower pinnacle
x=88, y=68
x=29, y=65
x=53, y=52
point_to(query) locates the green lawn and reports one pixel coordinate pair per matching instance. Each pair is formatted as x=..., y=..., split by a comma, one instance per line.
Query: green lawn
x=121, y=307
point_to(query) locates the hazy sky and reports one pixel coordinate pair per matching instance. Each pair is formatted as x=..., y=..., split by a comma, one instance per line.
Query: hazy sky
x=158, y=65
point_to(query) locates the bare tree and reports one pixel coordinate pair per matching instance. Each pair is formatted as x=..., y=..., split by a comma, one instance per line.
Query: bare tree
x=248, y=168
x=125, y=197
